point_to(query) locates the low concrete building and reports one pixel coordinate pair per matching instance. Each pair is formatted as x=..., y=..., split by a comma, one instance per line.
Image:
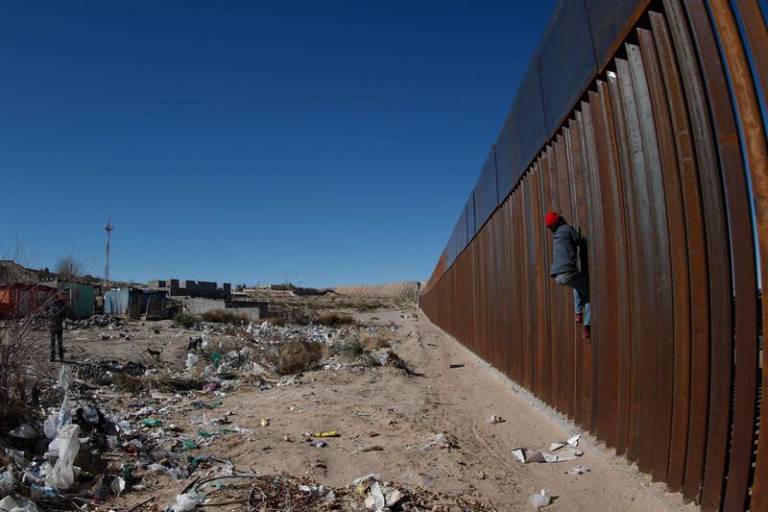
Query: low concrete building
x=135, y=304
x=252, y=309
x=186, y=288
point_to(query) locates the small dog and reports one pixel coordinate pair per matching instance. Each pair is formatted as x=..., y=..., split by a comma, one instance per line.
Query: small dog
x=194, y=344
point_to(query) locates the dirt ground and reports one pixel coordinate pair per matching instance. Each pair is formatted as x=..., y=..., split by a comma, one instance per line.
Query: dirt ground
x=387, y=420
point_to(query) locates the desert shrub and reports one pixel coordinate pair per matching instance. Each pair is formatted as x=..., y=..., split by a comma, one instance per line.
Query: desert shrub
x=186, y=320
x=350, y=350
x=19, y=384
x=137, y=384
x=335, y=320
x=298, y=356
x=222, y=316
x=371, y=342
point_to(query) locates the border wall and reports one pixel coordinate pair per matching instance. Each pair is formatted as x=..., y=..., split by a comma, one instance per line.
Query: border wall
x=644, y=124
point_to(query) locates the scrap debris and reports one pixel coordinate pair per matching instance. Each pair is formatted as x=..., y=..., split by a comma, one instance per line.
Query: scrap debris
x=526, y=455
x=286, y=492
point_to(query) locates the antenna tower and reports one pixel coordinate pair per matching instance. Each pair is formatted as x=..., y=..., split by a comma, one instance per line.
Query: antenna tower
x=108, y=228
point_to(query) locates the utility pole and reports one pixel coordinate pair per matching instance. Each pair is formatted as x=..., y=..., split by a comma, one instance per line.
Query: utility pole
x=108, y=228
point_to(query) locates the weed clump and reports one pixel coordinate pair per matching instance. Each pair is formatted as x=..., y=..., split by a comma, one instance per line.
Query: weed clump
x=335, y=320
x=350, y=350
x=297, y=357
x=222, y=316
x=370, y=342
x=186, y=320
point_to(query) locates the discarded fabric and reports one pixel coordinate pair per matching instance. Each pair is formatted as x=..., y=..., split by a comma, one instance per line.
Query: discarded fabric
x=526, y=455
x=540, y=499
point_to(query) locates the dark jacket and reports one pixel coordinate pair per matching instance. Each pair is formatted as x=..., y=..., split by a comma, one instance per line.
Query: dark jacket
x=565, y=250
x=56, y=315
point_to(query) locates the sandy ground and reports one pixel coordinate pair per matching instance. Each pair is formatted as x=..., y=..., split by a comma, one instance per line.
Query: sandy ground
x=397, y=415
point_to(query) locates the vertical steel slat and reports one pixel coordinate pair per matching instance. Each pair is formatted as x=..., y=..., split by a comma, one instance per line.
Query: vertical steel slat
x=743, y=268
x=587, y=387
x=581, y=223
x=555, y=299
x=662, y=306
x=611, y=97
x=613, y=334
x=493, y=297
x=594, y=244
x=757, y=35
x=575, y=348
x=566, y=295
x=539, y=280
x=528, y=285
x=680, y=348
x=756, y=156
x=547, y=283
x=641, y=282
x=521, y=284
x=515, y=242
x=625, y=280
x=511, y=326
x=551, y=330
x=696, y=252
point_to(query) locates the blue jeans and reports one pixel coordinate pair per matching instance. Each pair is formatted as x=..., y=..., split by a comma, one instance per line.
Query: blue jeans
x=580, y=284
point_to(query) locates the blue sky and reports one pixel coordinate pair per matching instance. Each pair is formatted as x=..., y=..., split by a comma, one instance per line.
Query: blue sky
x=333, y=142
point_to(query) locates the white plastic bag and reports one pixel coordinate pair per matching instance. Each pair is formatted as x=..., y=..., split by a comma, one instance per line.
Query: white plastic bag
x=65, y=415
x=192, y=360
x=7, y=480
x=51, y=427
x=540, y=499
x=58, y=419
x=62, y=475
x=11, y=505
x=188, y=501
x=65, y=378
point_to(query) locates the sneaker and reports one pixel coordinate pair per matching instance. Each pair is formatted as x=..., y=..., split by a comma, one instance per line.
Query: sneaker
x=578, y=317
x=587, y=334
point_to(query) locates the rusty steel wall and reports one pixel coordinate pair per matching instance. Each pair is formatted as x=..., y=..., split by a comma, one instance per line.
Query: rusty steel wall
x=662, y=164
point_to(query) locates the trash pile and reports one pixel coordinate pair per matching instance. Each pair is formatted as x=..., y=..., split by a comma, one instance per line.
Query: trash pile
x=83, y=453
x=275, y=354
x=109, y=321
x=569, y=451
x=286, y=492
x=560, y=451
x=104, y=429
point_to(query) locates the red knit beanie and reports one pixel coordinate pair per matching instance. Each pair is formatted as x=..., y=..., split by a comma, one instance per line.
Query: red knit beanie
x=551, y=219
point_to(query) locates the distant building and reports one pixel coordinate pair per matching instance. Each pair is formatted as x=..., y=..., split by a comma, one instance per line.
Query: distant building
x=136, y=304
x=19, y=299
x=202, y=289
x=13, y=273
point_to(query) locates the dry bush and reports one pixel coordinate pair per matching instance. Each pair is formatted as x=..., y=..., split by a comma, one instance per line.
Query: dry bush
x=371, y=342
x=18, y=383
x=70, y=268
x=298, y=356
x=137, y=384
x=222, y=316
x=350, y=350
x=335, y=320
x=186, y=320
